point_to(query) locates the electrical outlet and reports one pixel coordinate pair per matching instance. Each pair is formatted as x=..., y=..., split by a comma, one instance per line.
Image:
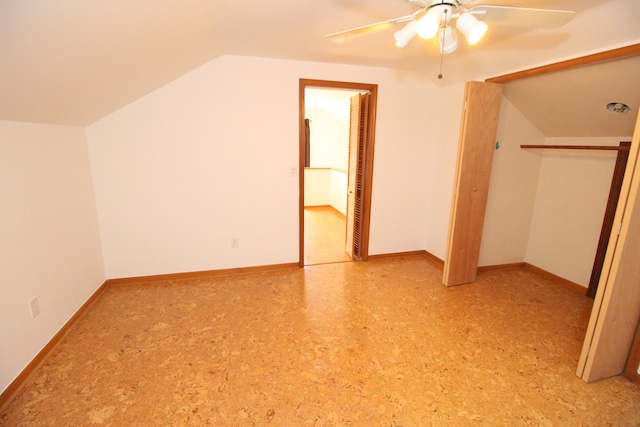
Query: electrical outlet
x=235, y=242
x=34, y=307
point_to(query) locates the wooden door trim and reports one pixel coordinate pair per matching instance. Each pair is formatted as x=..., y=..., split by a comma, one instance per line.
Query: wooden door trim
x=368, y=166
x=606, y=55
x=609, y=214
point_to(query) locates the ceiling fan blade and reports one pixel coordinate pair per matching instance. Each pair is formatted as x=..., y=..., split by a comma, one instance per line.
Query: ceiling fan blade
x=522, y=16
x=342, y=36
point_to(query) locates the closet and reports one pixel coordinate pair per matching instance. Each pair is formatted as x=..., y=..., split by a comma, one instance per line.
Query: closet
x=613, y=325
x=616, y=311
x=612, y=202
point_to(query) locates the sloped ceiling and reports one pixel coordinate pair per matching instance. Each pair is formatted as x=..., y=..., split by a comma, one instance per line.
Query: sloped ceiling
x=75, y=61
x=573, y=102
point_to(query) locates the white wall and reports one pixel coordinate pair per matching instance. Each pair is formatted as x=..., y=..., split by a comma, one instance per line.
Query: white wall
x=326, y=187
x=512, y=190
x=440, y=127
x=49, y=244
x=329, y=138
x=317, y=187
x=338, y=193
x=208, y=157
x=572, y=193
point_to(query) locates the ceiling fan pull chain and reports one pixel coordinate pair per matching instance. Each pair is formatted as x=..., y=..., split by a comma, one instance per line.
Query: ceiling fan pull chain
x=441, y=42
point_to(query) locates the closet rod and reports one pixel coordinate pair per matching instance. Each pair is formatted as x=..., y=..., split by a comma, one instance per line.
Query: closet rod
x=580, y=147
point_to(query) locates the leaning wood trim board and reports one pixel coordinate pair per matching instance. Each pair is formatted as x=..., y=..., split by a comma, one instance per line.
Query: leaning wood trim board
x=616, y=308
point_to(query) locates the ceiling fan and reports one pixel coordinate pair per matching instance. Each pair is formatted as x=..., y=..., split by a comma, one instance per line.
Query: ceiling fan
x=435, y=17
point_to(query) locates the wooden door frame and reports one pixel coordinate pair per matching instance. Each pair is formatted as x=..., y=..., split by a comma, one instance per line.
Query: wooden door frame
x=609, y=214
x=368, y=159
x=633, y=362
x=595, y=58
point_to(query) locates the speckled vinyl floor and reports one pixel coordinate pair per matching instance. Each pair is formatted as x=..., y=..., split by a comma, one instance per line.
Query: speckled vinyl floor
x=379, y=343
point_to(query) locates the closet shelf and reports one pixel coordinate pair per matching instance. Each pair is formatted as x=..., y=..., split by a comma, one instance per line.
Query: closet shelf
x=580, y=147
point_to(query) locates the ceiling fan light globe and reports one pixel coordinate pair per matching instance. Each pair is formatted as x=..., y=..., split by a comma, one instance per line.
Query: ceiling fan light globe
x=448, y=40
x=429, y=24
x=401, y=44
x=472, y=29
x=477, y=33
x=405, y=34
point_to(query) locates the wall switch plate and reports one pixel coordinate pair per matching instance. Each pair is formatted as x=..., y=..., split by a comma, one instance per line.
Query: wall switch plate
x=34, y=307
x=235, y=242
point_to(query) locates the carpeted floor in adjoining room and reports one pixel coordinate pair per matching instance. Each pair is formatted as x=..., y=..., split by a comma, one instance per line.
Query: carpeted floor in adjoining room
x=377, y=343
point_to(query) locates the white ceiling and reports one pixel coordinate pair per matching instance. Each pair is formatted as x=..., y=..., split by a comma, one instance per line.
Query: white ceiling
x=75, y=61
x=335, y=102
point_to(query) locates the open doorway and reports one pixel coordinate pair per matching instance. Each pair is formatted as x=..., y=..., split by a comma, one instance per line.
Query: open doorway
x=337, y=122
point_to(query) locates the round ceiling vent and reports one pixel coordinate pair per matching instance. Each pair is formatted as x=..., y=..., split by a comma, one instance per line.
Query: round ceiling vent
x=618, y=107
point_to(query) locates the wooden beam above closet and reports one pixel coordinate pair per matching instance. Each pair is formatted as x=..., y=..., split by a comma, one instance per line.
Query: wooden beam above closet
x=608, y=55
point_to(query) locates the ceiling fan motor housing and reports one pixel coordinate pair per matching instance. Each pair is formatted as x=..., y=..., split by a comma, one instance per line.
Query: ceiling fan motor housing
x=431, y=3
